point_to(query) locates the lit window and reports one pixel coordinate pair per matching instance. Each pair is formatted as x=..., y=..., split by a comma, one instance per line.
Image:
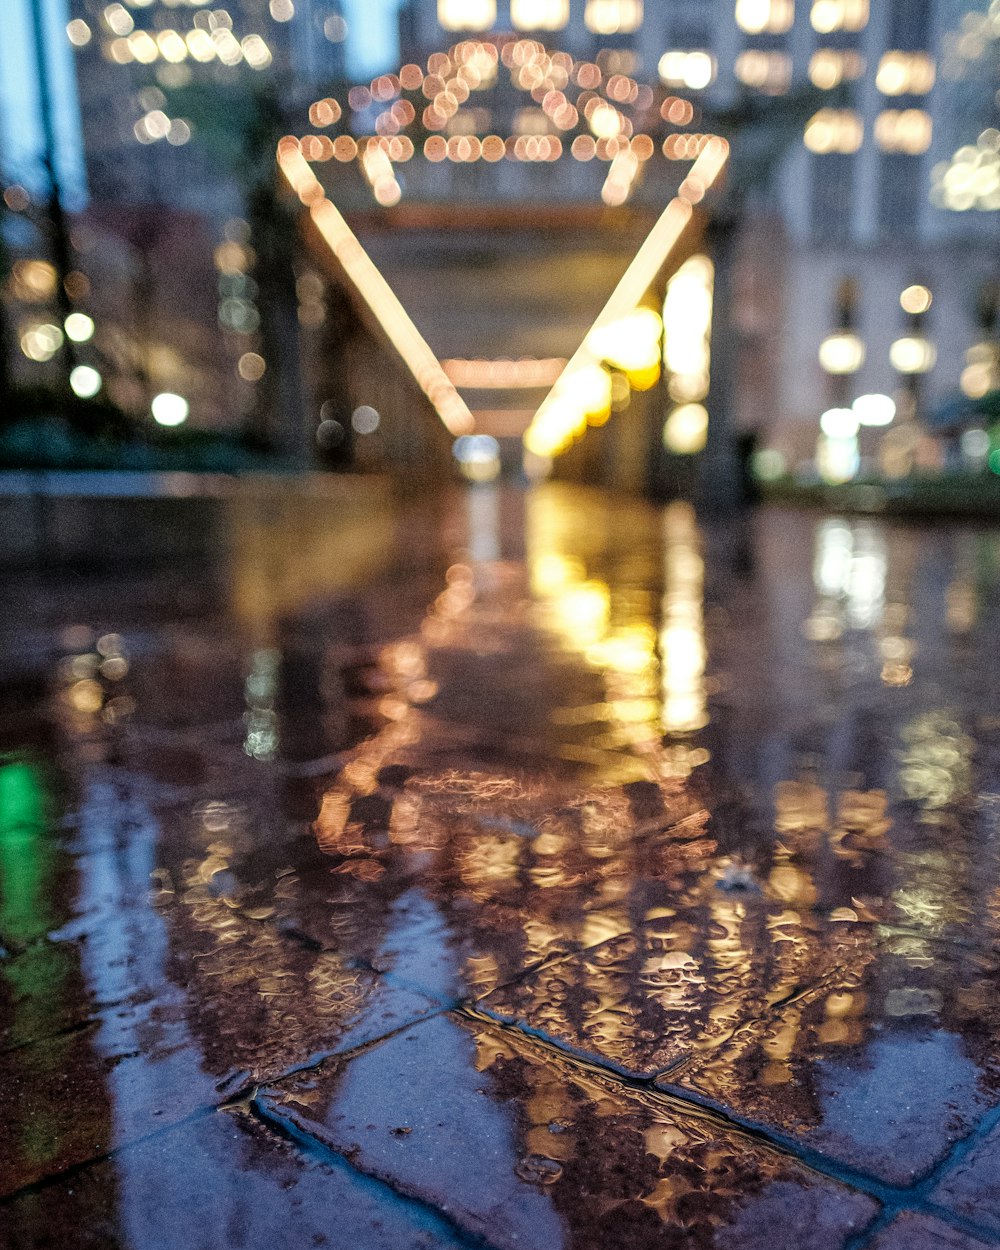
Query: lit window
x=834, y=130
x=539, y=14
x=766, y=71
x=531, y=122
x=831, y=15
x=693, y=70
x=904, y=130
x=829, y=67
x=613, y=17
x=467, y=14
x=902, y=72
x=758, y=17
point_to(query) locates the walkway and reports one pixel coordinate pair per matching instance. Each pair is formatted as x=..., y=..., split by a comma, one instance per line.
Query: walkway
x=582, y=881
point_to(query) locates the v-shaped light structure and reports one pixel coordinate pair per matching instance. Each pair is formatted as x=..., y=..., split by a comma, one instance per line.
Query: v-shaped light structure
x=414, y=350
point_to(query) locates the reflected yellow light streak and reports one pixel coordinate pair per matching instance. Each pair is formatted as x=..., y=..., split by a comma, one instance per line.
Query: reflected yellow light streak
x=377, y=294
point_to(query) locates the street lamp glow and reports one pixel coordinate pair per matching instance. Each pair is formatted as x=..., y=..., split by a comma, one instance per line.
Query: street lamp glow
x=913, y=354
x=169, y=409
x=79, y=327
x=874, y=409
x=842, y=352
x=85, y=381
x=839, y=423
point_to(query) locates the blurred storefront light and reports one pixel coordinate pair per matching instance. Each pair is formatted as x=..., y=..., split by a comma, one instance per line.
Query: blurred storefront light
x=874, y=409
x=913, y=354
x=85, y=381
x=79, y=327
x=169, y=408
x=842, y=352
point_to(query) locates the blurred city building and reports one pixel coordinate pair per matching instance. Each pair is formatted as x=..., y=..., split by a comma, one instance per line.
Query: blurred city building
x=866, y=262
x=895, y=184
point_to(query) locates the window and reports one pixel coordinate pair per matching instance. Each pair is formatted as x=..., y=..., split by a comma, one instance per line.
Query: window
x=772, y=17
x=830, y=15
x=908, y=131
x=829, y=67
x=693, y=70
x=539, y=14
x=834, y=130
x=613, y=17
x=770, y=72
x=467, y=14
x=905, y=73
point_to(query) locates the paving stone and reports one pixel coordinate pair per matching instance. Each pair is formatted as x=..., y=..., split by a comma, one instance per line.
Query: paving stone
x=970, y=1186
x=913, y=1231
x=220, y=1181
x=682, y=983
x=888, y=1063
x=527, y=1150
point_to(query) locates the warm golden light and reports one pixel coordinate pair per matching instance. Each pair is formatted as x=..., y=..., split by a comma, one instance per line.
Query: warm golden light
x=829, y=67
x=613, y=17
x=905, y=73
x=908, y=130
x=539, y=14
x=830, y=15
x=376, y=292
x=842, y=352
x=772, y=17
x=562, y=417
x=913, y=354
x=915, y=299
x=834, y=130
x=467, y=14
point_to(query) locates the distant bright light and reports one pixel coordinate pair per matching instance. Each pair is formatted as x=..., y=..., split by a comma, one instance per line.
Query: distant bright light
x=686, y=430
x=839, y=423
x=78, y=33
x=975, y=444
x=335, y=29
x=169, y=409
x=915, y=299
x=79, y=327
x=874, y=409
x=85, y=381
x=913, y=354
x=251, y=366
x=842, y=352
x=478, y=455
x=365, y=419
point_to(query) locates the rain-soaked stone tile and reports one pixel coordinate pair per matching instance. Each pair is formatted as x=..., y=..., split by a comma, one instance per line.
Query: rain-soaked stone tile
x=221, y=1180
x=682, y=984
x=916, y=1231
x=470, y=878
x=526, y=1150
x=970, y=1185
x=885, y=1065
x=164, y=1053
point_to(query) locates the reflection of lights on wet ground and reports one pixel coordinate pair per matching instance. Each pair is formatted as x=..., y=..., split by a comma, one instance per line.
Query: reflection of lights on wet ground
x=261, y=740
x=849, y=568
x=682, y=638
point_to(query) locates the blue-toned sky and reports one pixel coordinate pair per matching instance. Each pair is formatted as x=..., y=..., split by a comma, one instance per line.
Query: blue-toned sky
x=372, y=47
x=21, y=139
x=373, y=36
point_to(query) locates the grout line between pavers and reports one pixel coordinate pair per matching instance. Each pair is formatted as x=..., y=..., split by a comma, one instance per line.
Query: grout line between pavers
x=324, y=1153
x=105, y=1156
x=893, y=1199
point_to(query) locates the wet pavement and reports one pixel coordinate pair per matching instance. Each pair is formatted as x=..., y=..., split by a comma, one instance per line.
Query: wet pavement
x=560, y=875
